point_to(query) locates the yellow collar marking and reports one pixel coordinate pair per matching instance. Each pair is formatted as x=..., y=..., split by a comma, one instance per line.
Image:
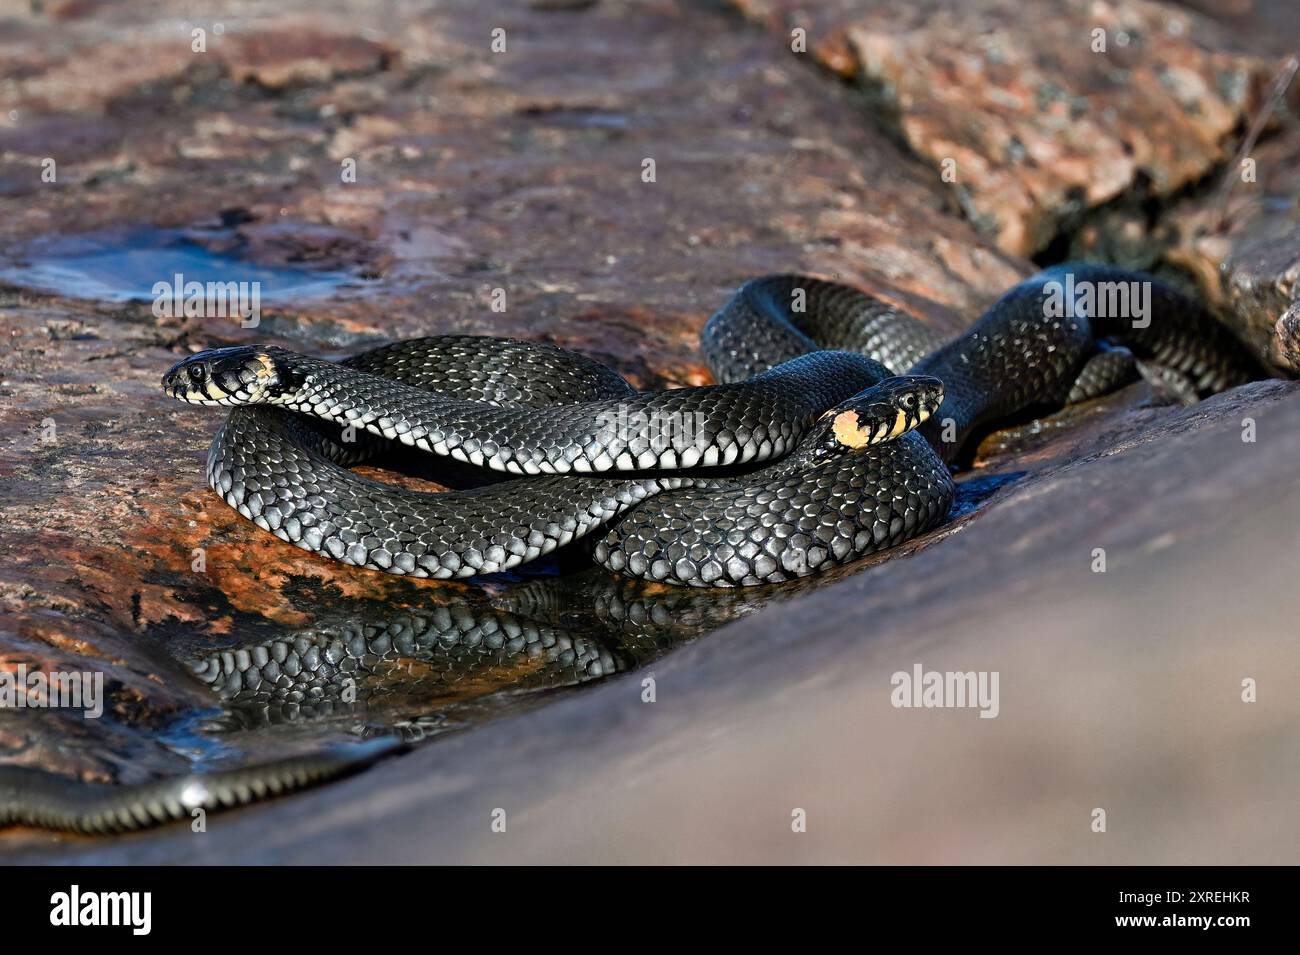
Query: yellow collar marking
x=848, y=432
x=900, y=425
x=268, y=366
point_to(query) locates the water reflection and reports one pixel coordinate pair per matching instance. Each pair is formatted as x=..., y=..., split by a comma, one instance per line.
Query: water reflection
x=466, y=655
x=471, y=652
x=451, y=657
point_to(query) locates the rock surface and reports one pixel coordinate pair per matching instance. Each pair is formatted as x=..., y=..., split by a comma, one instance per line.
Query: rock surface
x=1053, y=143
x=1038, y=112
x=1243, y=244
x=523, y=171
x=1118, y=690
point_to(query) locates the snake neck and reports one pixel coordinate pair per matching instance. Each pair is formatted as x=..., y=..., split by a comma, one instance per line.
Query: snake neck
x=716, y=426
x=773, y=319
x=1161, y=325
x=1014, y=359
x=1026, y=352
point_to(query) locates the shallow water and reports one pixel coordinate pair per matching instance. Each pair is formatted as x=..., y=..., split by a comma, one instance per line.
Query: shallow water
x=463, y=654
x=466, y=654
x=121, y=265
x=433, y=659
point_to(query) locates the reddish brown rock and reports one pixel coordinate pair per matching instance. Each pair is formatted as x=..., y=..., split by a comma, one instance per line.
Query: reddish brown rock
x=1034, y=126
x=1119, y=690
x=476, y=170
x=1242, y=242
x=280, y=58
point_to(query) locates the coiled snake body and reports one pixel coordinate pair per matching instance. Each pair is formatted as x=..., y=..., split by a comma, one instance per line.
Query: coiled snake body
x=799, y=459
x=812, y=451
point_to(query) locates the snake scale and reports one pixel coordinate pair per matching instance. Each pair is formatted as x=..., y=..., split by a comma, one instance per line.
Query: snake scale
x=549, y=633
x=829, y=436
x=801, y=458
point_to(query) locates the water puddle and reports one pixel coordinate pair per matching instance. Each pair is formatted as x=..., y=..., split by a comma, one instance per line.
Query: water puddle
x=461, y=656
x=126, y=264
x=974, y=489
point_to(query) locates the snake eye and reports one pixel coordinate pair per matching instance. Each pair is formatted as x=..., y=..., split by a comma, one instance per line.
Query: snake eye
x=909, y=401
x=198, y=372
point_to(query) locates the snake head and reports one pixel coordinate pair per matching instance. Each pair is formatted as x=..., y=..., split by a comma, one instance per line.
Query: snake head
x=242, y=375
x=882, y=412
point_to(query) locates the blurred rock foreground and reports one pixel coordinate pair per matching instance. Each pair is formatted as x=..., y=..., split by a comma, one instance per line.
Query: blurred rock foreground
x=525, y=170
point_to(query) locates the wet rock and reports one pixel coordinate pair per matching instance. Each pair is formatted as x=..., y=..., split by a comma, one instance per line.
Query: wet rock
x=525, y=171
x=1120, y=690
x=474, y=171
x=463, y=157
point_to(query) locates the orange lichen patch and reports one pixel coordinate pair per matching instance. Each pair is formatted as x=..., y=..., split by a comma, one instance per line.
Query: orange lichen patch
x=72, y=568
x=410, y=482
x=695, y=375
x=138, y=686
x=248, y=566
x=829, y=46
x=648, y=588
x=468, y=684
x=835, y=52
x=55, y=634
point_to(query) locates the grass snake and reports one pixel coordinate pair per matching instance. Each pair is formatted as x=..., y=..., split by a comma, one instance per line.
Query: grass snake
x=802, y=457
x=828, y=436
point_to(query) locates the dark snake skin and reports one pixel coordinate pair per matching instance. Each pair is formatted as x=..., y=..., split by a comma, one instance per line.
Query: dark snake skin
x=765, y=491
x=546, y=635
x=284, y=472
x=725, y=496
x=33, y=797
x=1014, y=359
